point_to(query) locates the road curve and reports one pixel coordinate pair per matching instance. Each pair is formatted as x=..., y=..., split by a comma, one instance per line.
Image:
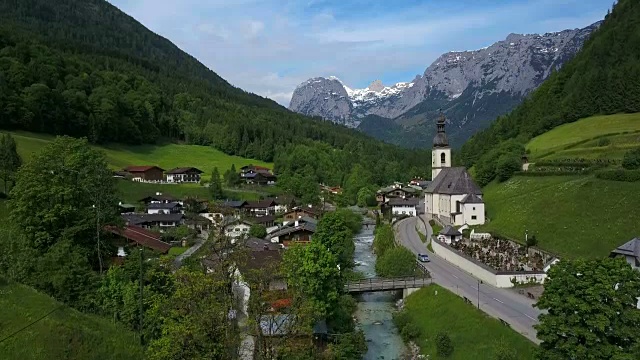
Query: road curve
x=504, y=304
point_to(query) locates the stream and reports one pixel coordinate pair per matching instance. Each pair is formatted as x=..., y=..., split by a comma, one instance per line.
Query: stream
x=374, y=313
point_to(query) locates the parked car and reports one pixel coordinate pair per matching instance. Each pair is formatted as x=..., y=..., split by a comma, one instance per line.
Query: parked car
x=423, y=257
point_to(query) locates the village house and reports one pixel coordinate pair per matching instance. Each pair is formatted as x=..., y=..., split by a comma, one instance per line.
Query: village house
x=235, y=228
x=184, y=175
x=137, y=236
x=421, y=183
x=145, y=173
x=161, y=221
x=164, y=208
x=452, y=196
x=232, y=206
x=396, y=191
x=400, y=206
x=300, y=230
x=126, y=208
x=260, y=208
x=630, y=251
x=159, y=198
x=258, y=175
x=267, y=221
x=298, y=212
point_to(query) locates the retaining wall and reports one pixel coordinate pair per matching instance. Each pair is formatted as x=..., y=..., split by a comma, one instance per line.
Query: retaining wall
x=501, y=279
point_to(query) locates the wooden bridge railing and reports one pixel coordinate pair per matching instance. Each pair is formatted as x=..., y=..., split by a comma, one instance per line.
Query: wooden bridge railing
x=383, y=284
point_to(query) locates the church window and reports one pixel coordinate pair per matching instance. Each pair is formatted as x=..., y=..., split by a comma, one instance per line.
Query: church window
x=443, y=158
x=474, y=208
x=473, y=217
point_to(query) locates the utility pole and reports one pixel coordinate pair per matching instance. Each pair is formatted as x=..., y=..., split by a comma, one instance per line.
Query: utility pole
x=141, y=294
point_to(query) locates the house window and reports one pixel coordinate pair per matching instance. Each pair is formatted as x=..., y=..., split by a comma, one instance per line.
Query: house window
x=443, y=158
x=473, y=217
x=474, y=208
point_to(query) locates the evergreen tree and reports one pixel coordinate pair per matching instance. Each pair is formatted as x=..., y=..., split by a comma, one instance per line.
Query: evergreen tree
x=215, y=185
x=10, y=160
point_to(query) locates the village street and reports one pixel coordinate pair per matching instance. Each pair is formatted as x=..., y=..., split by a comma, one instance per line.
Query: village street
x=202, y=238
x=503, y=304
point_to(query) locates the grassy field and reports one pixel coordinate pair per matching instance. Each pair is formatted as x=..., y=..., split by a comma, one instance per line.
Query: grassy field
x=474, y=334
x=572, y=216
x=166, y=156
x=64, y=334
x=583, y=138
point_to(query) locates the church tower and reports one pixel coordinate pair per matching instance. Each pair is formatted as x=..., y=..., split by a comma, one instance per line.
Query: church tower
x=441, y=152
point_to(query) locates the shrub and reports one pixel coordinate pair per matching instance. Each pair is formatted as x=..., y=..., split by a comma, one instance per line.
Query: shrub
x=444, y=346
x=619, y=175
x=410, y=331
x=507, y=165
x=631, y=159
x=532, y=241
x=258, y=231
x=432, y=222
x=503, y=352
x=605, y=141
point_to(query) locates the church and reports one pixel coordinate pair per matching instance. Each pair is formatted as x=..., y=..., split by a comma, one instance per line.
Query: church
x=452, y=196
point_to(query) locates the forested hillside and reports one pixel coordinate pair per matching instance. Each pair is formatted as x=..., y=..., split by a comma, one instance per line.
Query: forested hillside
x=84, y=68
x=604, y=78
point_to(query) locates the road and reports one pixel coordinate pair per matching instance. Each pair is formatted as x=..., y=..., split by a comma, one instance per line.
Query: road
x=504, y=304
x=202, y=238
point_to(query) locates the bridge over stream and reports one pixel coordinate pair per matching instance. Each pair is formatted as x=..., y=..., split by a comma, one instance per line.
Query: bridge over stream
x=387, y=284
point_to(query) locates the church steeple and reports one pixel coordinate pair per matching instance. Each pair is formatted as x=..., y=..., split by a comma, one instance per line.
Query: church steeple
x=440, y=140
x=441, y=152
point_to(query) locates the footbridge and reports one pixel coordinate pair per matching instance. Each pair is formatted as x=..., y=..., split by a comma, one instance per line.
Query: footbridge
x=387, y=284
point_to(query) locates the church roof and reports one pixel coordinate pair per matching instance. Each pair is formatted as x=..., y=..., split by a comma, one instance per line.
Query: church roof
x=453, y=181
x=472, y=199
x=440, y=140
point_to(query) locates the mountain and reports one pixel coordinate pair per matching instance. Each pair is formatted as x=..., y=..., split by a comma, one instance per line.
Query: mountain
x=603, y=78
x=86, y=69
x=471, y=87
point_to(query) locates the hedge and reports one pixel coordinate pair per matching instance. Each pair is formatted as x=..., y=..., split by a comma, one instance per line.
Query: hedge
x=619, y=175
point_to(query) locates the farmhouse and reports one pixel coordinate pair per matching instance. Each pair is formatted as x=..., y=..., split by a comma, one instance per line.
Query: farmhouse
x=259, y=175
x=452, y=196
x=164, y=208
x=154, y=220
x=395, y=191
x=184, y=175
x=235, y=228
x=298, y=212
x=298, y=231
x=401, y=206
x=158, y=198
x=145, y=173
x=630, y=251
x=261, y=208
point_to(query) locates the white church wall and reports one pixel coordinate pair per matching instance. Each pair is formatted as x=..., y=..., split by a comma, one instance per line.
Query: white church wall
x=474, y=214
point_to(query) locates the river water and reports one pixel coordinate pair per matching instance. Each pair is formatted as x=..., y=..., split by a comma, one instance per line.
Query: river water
x=375, y=310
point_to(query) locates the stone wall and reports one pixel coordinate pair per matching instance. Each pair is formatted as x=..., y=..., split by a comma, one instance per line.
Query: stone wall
x=482, y=271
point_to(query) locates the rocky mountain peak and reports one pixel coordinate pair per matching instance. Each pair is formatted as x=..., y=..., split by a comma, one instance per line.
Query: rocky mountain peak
x=376, y=86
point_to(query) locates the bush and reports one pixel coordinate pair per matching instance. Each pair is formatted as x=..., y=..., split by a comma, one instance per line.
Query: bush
x=384, y=240
x=396, y=262
x=258, y=231
x=619, y=175
x=532, y=241
x=605, y=141
x=444, y=346
x=507, y=165
x=411, y=331
x=631, y=159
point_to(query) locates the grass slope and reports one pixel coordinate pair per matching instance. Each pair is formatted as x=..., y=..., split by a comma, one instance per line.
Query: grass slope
x=64, y=334
x=572, y=216
x=474, y=334
x=166, y=156
x=580, y=138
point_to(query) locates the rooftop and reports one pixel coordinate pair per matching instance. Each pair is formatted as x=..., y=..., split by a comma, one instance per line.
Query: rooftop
x=184, y=170
x=170, y=205
x=138, y=219
x=450, y=231
x=403, y=202
x=141, y=168
x=453, y=181
x=142, y=237
x=630, y=248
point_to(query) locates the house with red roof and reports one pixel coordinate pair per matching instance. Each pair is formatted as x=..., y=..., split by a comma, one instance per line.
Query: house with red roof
x=145, y=173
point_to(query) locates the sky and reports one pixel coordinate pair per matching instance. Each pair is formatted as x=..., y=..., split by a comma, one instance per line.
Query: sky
x=268, y=47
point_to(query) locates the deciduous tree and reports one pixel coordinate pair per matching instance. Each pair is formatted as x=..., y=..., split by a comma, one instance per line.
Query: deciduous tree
x=10, y=161
x=591, y=311
x=215, y=185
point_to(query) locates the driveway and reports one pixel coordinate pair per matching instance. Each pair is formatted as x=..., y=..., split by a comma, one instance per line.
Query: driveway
x=503, y=304
x=202, y=237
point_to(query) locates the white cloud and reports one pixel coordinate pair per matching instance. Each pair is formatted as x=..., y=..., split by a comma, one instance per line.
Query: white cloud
x=270, y=46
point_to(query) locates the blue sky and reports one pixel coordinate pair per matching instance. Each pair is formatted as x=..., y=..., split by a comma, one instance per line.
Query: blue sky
x=270, y=46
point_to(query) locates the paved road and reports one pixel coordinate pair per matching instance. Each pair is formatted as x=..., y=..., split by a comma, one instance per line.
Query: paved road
x=503, y=304
x=202, y=238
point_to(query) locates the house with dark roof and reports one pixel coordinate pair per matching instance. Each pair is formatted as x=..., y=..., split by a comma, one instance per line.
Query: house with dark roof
x=147, y=221
x=158, y=198
x=452, y=196
x=164, y=208
x=146, y=173
x=297, y=231
x=261, y=207
x=267, y=221
x=298, y=212
x=630, y=251
x=449, y=234
x=400, y=206
x=184, y=175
